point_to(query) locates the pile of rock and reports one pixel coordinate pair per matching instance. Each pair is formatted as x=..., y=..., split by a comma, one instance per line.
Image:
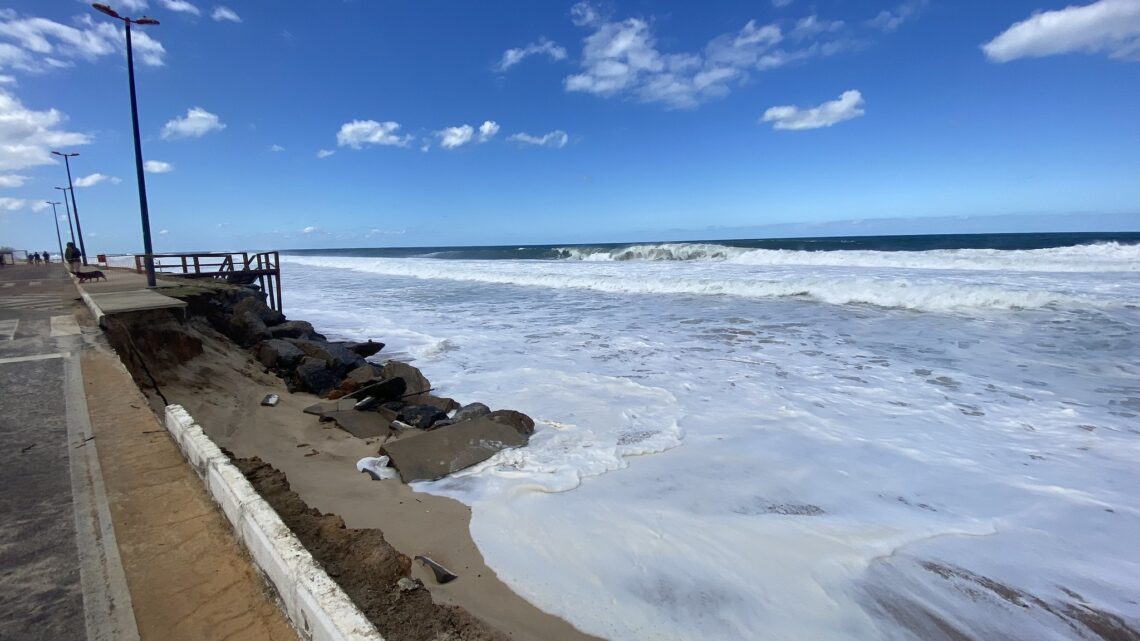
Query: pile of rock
x=426, y=436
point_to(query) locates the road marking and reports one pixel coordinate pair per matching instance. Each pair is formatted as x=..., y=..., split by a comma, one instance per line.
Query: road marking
x=8, y=329
x=33, y=283
x=106, y=600
x=34, y=357
x=64, y=326
x=32, y=301
x=8, y=285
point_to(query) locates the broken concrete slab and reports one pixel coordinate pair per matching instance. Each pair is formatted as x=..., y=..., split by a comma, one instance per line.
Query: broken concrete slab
x=433, y=455
x=320, y=409
x=360, y=424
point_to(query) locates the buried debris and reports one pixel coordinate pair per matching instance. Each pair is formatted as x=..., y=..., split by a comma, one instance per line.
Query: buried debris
x=442, y=574
x=376, y=467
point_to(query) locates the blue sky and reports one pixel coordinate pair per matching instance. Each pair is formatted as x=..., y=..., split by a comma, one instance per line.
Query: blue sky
x=359, y=123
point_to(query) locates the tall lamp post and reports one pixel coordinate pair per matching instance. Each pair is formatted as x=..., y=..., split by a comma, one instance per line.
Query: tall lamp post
x=55, y=216
x=148, y=250
x=75, y=208
x=68, y=209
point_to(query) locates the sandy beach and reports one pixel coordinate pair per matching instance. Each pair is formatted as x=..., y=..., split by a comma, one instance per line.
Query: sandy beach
x=222, y=388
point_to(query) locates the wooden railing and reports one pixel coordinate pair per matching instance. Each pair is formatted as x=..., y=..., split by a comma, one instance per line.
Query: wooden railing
x=239, y=268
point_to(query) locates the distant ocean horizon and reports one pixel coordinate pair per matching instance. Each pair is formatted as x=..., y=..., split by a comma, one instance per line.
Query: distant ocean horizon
x=729, y=248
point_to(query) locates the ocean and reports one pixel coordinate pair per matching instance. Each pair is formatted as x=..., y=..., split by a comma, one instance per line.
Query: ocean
x=834, y=438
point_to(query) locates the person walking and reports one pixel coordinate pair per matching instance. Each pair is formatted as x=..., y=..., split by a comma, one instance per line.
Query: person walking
x=71, y=257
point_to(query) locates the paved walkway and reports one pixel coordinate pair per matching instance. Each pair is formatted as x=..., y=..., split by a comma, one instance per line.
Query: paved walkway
x=107, y=533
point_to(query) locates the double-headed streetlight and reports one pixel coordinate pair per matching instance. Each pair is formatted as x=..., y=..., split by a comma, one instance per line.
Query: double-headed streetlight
x=67, y=208
x=75, y=208
x=55, y=217
x=147, y=248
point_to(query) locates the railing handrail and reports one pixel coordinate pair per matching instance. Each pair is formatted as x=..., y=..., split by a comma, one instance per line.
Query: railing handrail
x=267, y=270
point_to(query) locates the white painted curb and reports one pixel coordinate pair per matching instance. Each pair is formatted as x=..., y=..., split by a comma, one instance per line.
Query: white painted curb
x=95, y=309
x=316, y=606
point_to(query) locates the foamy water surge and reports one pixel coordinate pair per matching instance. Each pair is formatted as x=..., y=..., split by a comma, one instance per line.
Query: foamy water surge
x=734, y=450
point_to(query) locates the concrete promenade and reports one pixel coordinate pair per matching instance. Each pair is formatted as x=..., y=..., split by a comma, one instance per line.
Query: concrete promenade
x=107, y=533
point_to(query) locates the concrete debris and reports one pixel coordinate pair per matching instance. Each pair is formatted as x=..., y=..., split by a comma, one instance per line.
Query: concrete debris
x=433, y=455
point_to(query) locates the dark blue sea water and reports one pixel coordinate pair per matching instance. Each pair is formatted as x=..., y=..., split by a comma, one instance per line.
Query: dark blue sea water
x=645, y=250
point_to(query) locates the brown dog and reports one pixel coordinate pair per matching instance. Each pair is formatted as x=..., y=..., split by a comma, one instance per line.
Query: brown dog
x=91, y=275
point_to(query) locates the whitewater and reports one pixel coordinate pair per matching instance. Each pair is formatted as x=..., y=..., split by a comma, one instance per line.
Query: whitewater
x=738, y=443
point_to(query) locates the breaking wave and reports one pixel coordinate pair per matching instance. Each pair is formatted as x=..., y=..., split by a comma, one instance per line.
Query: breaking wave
x=1112, y=256
x=902, y=290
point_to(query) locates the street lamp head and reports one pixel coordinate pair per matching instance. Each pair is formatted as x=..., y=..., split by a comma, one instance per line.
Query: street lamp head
x=146, y=20
x=107, y=10
x=71, y=155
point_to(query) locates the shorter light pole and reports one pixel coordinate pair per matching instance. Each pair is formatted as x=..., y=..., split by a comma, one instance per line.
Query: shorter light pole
x=148, y=250
x=68, y=209
x=74, y=207
x=55, y=217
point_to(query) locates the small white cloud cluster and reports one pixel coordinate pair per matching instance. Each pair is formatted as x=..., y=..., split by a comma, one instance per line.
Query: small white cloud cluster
x=891, y=19
x=848, y=106
x=622, y=57
x=512, y=57
x=453, y=137
x=158, y=167
x=556, y=139
x=39, y=44
x=196, y=123
x=358, y=133
x=180, y=6
x=361, y=133
x=95, y=179
x=225, y=14
x=1106, y=26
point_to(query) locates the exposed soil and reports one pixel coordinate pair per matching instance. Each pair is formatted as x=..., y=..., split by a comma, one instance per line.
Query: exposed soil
x=366, y=567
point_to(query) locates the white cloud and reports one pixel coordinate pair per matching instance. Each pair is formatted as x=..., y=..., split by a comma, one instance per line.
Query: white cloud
x=181, y=6
x=325, y=153
x=197, y=123
x=556, y=139
x=39, y=206
x=586, y=14
x=512, y=57
x=889, y=20
x=848, y=106
x=308, y=230
x=780, y=4
x=12, y=204
x=132, y=5
x=358, y=133
x=276, y=148
x=7, y=80
x=812, y=26
x=622, y=59
x=27, y=137
x=1107, y=26
x=95, y=179
x=487, y=130
x=452, y=137
x=39, y=44
x=12, y=180
x=163, y=232
x=225, y=13
x=158, y=167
